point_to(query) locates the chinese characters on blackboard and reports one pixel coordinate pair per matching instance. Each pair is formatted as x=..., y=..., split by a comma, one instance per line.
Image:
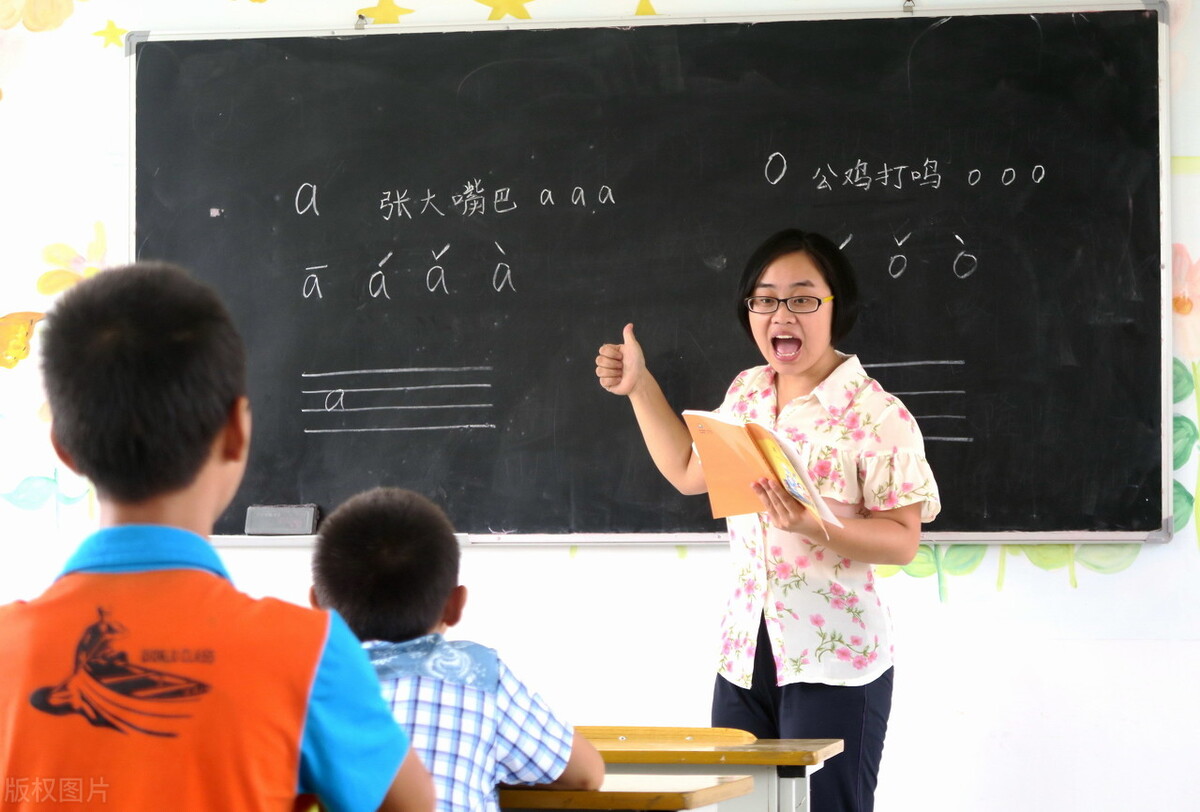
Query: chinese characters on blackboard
x=472, y=201
x=928, y=173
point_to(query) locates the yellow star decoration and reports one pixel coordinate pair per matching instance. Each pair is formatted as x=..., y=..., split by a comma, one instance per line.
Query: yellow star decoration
x=111, y=34
x=385, y=11
x=515, y=8
x=645, y=9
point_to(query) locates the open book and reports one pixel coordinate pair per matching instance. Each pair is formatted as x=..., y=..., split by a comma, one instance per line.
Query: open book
x=735, y=455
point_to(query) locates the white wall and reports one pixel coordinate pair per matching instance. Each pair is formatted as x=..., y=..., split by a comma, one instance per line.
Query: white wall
x=1027, y=689
x=1035, y=696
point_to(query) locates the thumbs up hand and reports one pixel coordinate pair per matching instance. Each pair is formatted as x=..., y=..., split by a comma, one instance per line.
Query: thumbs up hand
x=621, y=367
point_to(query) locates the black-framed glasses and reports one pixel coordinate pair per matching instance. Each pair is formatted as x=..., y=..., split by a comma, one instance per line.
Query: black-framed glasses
x=796, y=304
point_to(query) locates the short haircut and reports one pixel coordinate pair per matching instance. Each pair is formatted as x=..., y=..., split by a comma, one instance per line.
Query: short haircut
x=830, y=261
x=387, y=561
x=142, y=366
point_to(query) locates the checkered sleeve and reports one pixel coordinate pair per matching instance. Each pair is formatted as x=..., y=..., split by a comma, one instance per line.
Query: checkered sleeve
x=533, y=746
x=451, y=729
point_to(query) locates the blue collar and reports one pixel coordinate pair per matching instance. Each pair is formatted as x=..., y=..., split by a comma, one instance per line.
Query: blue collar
x=144, y=548
x=419, y=646
x=459, y=662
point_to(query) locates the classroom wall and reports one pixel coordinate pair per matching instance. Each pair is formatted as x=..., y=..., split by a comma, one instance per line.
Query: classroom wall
x=1028, y=678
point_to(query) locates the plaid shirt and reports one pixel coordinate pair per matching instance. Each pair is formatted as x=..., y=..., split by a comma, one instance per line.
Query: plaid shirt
x=472, y=722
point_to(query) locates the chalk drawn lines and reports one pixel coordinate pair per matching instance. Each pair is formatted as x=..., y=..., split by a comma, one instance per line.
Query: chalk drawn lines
x=936, y=404
x=398, y=399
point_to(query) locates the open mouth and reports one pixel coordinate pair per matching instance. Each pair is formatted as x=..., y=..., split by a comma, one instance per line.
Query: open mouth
x=787, y=348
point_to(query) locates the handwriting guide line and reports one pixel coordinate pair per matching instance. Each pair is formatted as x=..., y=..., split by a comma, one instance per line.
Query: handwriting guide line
x=388, y=408
x=404, y=428
x=911, y=363
x=931, y=392
x=397, y=369
x=398, y=388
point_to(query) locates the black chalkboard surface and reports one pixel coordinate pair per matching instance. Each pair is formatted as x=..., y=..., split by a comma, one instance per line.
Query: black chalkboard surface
x=425, y=236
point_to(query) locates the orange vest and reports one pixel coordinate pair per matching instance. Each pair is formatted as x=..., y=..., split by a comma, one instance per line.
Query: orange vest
x=153, y=690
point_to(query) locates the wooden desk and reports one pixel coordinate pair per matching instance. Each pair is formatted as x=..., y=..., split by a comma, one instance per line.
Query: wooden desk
x=633, y=792
x=699, y=751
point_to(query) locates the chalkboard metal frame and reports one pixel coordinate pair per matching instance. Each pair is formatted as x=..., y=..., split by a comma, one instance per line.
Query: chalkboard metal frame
x=688, y=538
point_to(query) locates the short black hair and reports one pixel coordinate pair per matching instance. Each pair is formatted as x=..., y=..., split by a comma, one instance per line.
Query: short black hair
x=142, y=366
x=830, y=261
x=387, y=561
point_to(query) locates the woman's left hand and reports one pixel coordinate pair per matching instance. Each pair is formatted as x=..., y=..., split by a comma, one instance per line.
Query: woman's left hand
x=785, y=512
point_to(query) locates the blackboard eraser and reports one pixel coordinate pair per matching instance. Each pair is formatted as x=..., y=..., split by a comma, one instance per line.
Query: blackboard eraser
x=281, y=520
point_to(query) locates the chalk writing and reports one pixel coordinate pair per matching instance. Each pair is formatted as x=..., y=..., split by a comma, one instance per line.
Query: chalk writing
x=427, y=203
x=395, y=204
x=776, y=168
x=864, y=175
x=473, y=200
x=861, y=175
x=436, y=278
x=500, y=201
x=308, y=190
x=929, y=173
x=312, y=282
x=378, y=285
x=502, y=275
x=400, y=399
x=964, y=264
x=898, y=263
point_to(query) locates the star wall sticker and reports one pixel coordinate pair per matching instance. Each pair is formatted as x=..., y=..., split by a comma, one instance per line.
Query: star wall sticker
x=111, y=34
x=500, y=8
x=645, y=8
x=385, y=11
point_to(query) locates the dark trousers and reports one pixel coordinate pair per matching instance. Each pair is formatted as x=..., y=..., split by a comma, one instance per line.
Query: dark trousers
x=857, y=714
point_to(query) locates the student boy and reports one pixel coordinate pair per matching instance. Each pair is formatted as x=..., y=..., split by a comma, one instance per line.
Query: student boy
x=387, y=560
x=141, y=679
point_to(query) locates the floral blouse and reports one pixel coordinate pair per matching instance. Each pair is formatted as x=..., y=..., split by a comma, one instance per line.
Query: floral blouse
x=825, y=621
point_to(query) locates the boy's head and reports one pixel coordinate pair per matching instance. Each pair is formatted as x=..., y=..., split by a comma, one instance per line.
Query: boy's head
x=387, y=561
x=142, y=367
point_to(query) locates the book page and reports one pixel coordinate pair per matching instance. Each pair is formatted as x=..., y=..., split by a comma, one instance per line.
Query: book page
x=784, y=469
x=732, y=463
x=796, y=464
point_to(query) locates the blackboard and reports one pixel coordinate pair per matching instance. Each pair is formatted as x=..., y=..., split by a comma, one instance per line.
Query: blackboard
x=424, y=237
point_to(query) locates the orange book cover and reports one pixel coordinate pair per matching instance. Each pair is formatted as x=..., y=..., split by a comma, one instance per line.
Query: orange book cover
x=735, y=455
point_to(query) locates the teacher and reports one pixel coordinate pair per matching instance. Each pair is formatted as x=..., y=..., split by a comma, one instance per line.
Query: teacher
x=806, y=641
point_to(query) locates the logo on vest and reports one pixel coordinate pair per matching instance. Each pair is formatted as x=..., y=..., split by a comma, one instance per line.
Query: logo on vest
x=111, y=692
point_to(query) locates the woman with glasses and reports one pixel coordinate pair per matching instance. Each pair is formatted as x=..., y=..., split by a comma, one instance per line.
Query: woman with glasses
x=806, y=641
